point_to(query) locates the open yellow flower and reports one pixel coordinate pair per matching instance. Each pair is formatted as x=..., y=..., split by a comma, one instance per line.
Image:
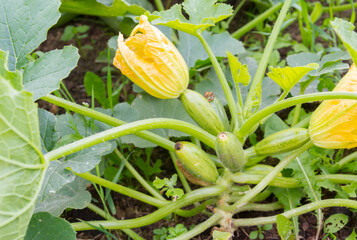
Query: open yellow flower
x=334, y=123
x=149, y=59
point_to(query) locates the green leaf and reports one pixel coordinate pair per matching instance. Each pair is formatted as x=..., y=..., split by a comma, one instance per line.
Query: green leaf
x=159, y=183
x=45, y=74
x=273, y=124
x=239, y=72
x=344, y=30
x=353, y=236
x=87, y=159
x=150, y=107
x=49, y=136
x=56, y=177
x=192, y=50
x=73, y=195
x=284, y=227
x=21, y=161
x=218, y=235
x=202, y=14
x=335, y=223
x=15, y=78
x=287, y=77
x=350, y=189
x=24, y=25
x=93, y=7
x=44, y=226
x=94, y=85
x=147, y=168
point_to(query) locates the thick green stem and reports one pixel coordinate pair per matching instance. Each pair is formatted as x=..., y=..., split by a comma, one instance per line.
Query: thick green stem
x=189, y=198
x=103, y=214
x=268, y=178
x=258, y=77
x=138, y=177
x=159, y=5
x=123, y=190
x=296, y=212
x=261, y=207
x=130, y=128
x=339, y=8
x=347, y=160
x=250, y=124
x=152, y=137
x=213, y=220
x=222, y=78
x=284, y=182
x=256, y=21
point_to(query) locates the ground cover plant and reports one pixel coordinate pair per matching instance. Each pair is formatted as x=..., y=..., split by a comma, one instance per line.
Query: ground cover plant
x=201, y=135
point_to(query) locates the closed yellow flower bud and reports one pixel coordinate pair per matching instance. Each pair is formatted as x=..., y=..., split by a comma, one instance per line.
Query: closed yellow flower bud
x=334, y=123
x=149, y=59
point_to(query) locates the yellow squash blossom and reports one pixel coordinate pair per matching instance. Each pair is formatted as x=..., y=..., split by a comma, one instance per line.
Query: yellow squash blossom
x=149, y=59
x=334, y=123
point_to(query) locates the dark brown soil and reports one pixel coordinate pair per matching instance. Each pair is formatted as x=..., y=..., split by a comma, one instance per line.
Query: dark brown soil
x=127, y=208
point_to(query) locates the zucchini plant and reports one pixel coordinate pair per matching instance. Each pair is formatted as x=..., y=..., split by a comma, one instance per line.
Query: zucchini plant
x=45, y=171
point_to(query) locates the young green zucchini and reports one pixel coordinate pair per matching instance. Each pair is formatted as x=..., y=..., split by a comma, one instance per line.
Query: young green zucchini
x=219, y=108
x=230, y=151
x=280, y=142
x=201, y=111
x=195, y=164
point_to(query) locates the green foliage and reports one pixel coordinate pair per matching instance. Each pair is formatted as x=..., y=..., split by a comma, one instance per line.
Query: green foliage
x=348, y=37
x=34, y=18
x=284, y=226
x=95, y=87
x=168, y=185
x=48, y=133
x=335, y=223
x=44, y=226
x=97, y=8
x=72, y=195
x=44, y=75
x=21, y=159
x=259, y=234
x=194, y=54
x=169, y=233
x=218, y=235
x=200, y=17
x=239, y=71
x=72, y=32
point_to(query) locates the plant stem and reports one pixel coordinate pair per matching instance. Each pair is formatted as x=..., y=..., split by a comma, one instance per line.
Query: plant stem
x=339, y=8
x=213, y=220
x=284, y=182
x=222, y=78
x=189, y=198
x=261, y=207
x=103, y=214
x=138, y=177
x=258, y=77
x=256, y=21
x=130, y=128
x=268, y=178
x=347, y=159
x=296, y=211
x=250, y=124
x=123, y=190
x=152, y=137
x=159, y=5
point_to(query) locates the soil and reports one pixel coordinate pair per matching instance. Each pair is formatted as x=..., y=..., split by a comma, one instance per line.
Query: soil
x=127, y=208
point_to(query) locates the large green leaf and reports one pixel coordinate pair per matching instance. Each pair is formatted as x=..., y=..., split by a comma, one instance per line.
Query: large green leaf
x=15, y=78
x=93, y=7
x=192, y=50
x=45, y=74
x=44, y=226
x=345, y=32
x=24, y=25
x=73, y=195
x=202, y=14
x=21, y=161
